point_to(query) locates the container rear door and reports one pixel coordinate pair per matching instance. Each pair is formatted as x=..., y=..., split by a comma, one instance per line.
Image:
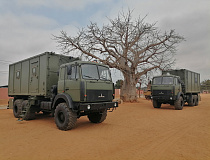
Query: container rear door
x=34, y=75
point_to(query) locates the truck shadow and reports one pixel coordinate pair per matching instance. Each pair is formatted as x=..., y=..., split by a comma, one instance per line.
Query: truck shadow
x=82, y=122
x=171, y=107
x=40, y=116
x=167, y=107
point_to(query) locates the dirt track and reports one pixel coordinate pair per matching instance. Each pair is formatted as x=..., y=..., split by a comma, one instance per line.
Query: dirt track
x=133, y=131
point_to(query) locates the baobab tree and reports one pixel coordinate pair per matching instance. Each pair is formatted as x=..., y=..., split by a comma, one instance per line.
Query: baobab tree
x=132, y=46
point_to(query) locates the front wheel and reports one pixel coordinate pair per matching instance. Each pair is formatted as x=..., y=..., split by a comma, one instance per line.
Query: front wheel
x=97, y=117
x=179, y=103
x=65, y=118
x=156, y=104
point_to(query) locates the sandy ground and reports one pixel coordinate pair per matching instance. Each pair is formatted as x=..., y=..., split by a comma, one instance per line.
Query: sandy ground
x=133, y=132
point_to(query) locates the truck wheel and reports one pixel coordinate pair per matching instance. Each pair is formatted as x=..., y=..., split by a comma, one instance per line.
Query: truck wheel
x=196, y=100
x=97, y=117
x=17, y=108
x=179, y=103
x=65, y=118
x=156, y=104
x=191, y=101
x=30, y=115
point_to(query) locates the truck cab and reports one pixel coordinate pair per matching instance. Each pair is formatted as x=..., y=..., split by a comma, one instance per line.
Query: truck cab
x=175, y=87
x=88, y=84
x=84, y=88
x=165, y=89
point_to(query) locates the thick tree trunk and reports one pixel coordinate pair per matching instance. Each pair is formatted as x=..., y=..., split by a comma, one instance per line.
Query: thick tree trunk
x=128, y=90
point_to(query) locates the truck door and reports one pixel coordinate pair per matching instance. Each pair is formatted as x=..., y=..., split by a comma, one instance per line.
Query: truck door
x=61, y=82
x=72, y=82
x=177, y=86
x=34, y=76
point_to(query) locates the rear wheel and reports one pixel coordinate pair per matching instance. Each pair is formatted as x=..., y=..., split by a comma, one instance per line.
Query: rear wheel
x=97, y=117
x=65, y=118
x=156, y=104
x=196, y=100
x=17, y=107
x=179, y=103
x=191, y=101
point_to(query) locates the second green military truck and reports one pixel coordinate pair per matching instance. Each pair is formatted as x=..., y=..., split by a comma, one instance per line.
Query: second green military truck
x=62, y=85
x=176, y=87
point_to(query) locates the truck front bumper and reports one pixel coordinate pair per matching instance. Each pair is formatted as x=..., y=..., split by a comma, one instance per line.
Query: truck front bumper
x=164, y=99
x=97, y=106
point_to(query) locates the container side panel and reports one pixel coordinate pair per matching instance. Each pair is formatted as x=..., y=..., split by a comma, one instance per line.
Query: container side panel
x=43, y=74
x=25, y=78
x=193, y=81
x=189, y=80
x=17, y=78
x=199, y=85
x=197, y=82
x=11, y=80
x=34, y=76
x=52, y=75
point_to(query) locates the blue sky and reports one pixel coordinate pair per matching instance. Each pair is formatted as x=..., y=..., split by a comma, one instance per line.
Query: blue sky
x=26, y=26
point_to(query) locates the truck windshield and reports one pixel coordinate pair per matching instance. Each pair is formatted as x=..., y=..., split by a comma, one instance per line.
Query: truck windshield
x=91, y=71
x=163, y=80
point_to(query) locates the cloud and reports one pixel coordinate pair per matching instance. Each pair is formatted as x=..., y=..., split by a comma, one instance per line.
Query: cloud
x=26, y=27
x=60, y=4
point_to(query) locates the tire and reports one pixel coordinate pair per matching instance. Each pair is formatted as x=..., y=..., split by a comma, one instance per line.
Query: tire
x=65, y=118
x=97, y=117
x=17, y=108
x=196, y=100
x=30, y=115
x=179, y=103
x=191, y=101
x=156, y=104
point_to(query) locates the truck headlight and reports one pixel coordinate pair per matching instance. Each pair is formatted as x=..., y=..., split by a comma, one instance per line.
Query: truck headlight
x=88, y=107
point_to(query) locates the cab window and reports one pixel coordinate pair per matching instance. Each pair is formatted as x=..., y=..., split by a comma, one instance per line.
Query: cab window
x=72, y=72
x=167, y=80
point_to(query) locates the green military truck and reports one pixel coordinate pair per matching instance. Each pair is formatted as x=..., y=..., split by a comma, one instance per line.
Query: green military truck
x=62, y=85
x=176, y=87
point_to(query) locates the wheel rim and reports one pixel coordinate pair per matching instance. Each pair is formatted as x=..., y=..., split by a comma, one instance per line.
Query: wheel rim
x=61, y=117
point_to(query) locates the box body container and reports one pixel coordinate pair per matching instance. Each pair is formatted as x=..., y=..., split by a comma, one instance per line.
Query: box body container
x=35, y=76
x=190, y=79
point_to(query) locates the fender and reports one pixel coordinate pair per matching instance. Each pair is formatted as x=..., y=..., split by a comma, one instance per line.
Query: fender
x=179, y=94
x=60, y=98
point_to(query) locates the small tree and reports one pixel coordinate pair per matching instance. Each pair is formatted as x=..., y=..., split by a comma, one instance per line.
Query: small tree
x=133, y=47
x=205, y=85
x=118, y=84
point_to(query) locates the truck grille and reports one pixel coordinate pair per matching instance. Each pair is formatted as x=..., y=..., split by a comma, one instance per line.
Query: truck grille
x=161, y=92
x=99, y=95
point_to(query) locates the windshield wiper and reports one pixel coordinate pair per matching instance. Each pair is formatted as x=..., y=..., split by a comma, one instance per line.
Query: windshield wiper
x=88, y=77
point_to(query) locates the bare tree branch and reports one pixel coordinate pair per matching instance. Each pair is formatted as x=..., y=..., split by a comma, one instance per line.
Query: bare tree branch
x=133, y=47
